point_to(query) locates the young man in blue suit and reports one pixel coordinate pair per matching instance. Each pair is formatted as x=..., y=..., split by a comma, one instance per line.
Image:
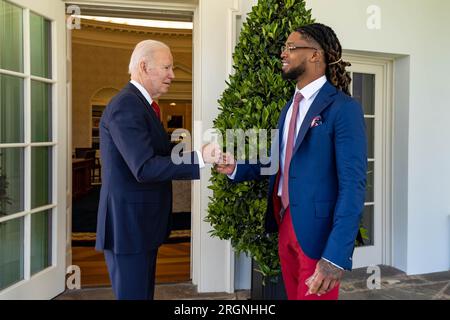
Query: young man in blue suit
x=317, y=196
x=137, y=170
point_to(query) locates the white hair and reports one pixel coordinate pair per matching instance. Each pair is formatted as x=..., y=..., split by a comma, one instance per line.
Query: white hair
x=144, y=51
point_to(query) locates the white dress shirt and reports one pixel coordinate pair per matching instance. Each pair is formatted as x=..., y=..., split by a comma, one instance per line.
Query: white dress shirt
x=143, y=91
x=149, y=99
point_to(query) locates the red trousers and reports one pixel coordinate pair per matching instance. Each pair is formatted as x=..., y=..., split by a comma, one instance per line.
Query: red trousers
x=296, y=266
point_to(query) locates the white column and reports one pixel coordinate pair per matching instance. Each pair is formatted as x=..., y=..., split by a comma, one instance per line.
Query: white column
x=215, y=35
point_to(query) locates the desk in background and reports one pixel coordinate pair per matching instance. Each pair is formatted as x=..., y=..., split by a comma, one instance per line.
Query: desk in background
x=81, y=176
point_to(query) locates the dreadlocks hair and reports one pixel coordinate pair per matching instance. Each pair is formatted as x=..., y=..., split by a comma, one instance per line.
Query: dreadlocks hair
x=335, y=66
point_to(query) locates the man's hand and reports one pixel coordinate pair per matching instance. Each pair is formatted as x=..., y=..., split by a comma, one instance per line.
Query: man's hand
x=226, y=165
x=211, y=153
x=324, y=279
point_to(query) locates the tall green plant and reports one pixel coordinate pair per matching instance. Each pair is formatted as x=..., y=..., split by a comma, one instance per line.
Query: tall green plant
x=255, y=95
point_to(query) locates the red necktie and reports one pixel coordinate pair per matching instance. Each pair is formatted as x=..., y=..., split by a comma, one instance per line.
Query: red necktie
x=157, y=110
x=289, y=148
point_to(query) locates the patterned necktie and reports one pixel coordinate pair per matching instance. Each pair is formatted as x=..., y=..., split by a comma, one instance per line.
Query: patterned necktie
x=289, y=148
x=157, y=110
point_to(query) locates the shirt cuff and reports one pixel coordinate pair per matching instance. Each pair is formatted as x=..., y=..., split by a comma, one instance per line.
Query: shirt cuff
x=201, y=163
x=233, y=175
x=333, y=263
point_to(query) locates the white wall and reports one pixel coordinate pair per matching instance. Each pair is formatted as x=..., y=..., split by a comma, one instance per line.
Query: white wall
x=400, y=163
x=419, y=30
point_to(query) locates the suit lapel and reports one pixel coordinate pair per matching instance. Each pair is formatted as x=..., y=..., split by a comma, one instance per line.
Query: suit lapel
x=160, y=129
x=322, y=101
x=142, y=98
x=148, y=107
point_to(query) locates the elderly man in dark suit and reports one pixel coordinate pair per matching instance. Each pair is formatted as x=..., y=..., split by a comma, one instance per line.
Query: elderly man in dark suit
x=137, y=170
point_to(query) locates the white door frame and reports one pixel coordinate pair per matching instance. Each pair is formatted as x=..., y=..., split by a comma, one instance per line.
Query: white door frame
x=51, y=281
x=214, y=36
x=381, y=252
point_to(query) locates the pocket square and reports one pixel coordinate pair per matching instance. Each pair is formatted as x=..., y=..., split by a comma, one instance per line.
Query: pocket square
x=317, y=121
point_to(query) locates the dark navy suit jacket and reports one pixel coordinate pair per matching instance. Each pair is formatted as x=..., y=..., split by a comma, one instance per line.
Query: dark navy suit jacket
x=327, y=177
x=137, y=172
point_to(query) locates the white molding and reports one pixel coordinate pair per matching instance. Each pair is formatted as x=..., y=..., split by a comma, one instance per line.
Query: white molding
x=68, y=191
x=13, y=145
x=25, y=213
x=13, y=216
x=232, y=37
x=12, y=73
x=116, y=27
x=169, y=5
x=44, y=80
x=212, y=268
x=27, y=140
x=128, y=45
x=233, y=13
x=26, y=145
x=104, y=34
x=388, y=250
x=196, y=118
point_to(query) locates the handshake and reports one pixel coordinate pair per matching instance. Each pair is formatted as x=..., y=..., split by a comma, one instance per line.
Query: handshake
x=224, y=163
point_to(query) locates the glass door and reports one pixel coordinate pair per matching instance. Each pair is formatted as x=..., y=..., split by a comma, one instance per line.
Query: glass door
x=367, y=89
x=32, y=149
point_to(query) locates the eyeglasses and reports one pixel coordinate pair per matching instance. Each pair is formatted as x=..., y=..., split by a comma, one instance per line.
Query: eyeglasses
x=292, y=47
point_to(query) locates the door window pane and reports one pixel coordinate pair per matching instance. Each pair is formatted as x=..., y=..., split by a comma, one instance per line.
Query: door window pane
x=41, y=226
x=41, y=176
x=40, y=45
x=367, y=224
x=370, y=129
x=11, y=109
x=41, y=105
x=364, y=91
x=11, y=252
x=11, y=37
x=370, y=182
x=11, y=181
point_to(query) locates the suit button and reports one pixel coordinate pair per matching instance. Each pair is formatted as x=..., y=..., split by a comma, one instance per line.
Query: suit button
x=294, y=205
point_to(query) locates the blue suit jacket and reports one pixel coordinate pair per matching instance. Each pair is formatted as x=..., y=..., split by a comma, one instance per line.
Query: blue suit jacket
x=327, y=177
x=137, y=171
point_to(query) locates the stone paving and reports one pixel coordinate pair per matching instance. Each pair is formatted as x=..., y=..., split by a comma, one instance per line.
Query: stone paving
x=394, y=285
x=179, y=291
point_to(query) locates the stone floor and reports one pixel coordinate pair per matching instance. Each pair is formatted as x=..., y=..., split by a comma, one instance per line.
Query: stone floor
x=393, y=285
x=178, y=291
